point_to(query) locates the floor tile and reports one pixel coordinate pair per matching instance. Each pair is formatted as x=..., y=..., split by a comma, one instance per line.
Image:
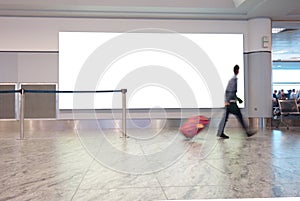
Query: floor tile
x=149, y=165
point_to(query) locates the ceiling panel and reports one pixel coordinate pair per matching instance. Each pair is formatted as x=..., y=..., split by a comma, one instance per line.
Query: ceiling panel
x=204, y=9
x=286, y=44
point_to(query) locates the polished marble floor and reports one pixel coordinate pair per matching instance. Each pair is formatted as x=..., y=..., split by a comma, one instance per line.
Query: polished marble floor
x=152, y=164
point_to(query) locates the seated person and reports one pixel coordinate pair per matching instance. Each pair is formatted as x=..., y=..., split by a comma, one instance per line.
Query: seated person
x=282, y=95
x=275, y=99
x=293, y=95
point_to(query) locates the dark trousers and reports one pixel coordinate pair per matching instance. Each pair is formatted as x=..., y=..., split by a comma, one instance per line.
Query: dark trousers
x=231, y=109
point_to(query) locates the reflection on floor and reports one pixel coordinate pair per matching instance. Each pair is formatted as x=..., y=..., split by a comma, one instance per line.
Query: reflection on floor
x=149, y=165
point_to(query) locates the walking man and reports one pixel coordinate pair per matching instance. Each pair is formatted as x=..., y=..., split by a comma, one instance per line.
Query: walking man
x=231, y=106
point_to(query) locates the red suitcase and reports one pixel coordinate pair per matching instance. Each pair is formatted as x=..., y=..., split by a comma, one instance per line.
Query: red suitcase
x=193, y=126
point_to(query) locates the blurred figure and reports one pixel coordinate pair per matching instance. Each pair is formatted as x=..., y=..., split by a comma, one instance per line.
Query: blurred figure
x=293, y=95
x=298, y=97
x=282, y=95
x=275, y=99
x=231, y=106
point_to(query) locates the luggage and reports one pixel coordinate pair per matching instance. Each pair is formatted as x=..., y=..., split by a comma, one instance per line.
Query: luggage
x=193, y=126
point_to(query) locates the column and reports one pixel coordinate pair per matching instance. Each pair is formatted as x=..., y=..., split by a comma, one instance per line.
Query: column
x=258, y=72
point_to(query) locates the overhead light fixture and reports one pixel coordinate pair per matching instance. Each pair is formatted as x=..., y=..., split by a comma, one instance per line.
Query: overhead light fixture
x=276, y=30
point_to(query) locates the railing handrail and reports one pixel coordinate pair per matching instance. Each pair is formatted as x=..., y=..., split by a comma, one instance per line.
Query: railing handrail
x=23, y=91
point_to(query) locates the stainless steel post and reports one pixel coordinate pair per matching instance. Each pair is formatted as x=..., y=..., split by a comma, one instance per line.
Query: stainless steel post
x=124, y=91
x=22, y=114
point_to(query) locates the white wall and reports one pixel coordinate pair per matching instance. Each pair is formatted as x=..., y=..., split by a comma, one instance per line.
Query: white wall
x=29, y=46
x=41, y=34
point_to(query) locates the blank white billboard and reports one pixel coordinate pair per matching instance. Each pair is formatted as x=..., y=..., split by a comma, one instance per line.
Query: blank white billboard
x=159, y=69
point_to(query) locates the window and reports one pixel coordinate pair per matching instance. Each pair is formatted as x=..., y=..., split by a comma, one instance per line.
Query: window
x=286, y=75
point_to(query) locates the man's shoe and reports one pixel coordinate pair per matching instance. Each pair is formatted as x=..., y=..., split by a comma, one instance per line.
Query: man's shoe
x=224, y=136
x=250, y=133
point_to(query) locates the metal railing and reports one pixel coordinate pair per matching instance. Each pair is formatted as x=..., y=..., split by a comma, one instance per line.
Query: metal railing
x=22, y=104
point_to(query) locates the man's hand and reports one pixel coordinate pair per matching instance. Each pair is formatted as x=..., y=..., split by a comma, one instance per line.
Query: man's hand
x=227, y=103
x=239, y=100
